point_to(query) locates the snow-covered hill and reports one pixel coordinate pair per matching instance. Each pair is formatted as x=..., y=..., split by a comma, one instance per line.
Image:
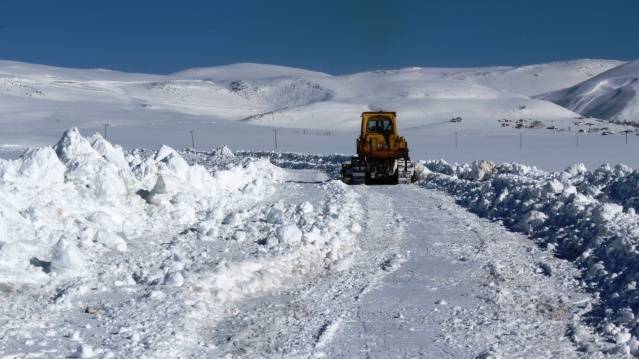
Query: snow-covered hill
x=536, y=79
x=38, y=102
x=246, y=71
x=611, y=95
x=420, y=99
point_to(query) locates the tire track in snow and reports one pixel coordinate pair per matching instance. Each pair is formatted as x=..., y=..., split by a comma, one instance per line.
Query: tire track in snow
x=301, y=320
x=469, y=288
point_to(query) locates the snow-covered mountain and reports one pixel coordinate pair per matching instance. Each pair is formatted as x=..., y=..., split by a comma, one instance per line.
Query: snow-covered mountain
x=51, y=99
x=536, y=79
x=611, y=95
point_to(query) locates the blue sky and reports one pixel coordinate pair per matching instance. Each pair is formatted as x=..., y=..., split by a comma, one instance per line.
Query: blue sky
x=338, y=37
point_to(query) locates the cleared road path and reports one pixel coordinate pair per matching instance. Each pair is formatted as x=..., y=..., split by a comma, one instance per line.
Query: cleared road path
x=463, y=287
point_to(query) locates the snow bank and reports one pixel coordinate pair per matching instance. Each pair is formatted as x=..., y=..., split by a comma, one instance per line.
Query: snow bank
x=141, y=252
x=588, y=217
x=61, y=207
x=297, y=240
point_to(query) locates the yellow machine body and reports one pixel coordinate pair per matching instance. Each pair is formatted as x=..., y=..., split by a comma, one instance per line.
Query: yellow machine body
x=382, y=154
x=379, y=137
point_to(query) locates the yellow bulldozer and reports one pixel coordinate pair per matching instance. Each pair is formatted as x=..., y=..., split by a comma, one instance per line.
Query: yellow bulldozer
x=382, y=154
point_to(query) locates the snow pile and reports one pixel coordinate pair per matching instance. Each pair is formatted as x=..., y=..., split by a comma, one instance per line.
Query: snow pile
x=585, y=216
x=294, y=240
x=611, y=95
x=62, y=207
x=66, y=257
x=181, y=190
x=141, y=252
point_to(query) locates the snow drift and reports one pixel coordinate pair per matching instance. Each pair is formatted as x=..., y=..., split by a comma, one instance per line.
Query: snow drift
x=63, y=205
x=611, y=95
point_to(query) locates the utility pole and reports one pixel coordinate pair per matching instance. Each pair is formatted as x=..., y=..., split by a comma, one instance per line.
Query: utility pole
x=105, y=130
x=193, y=144
x=521, y=140
x=275, y=136
x=626, y=131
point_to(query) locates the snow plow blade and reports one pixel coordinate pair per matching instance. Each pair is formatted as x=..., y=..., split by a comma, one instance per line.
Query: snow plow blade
x=354, y=172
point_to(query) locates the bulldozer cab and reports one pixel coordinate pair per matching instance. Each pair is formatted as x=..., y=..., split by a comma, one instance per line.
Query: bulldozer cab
x=378, y=122
x=379, y=138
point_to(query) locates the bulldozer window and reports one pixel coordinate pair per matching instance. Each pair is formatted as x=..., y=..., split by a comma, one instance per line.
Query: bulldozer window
x=380, y=124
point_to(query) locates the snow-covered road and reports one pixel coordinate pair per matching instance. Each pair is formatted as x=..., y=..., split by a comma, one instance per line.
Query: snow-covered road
x=144, y=255
x=467, y=288
x=428, y=279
